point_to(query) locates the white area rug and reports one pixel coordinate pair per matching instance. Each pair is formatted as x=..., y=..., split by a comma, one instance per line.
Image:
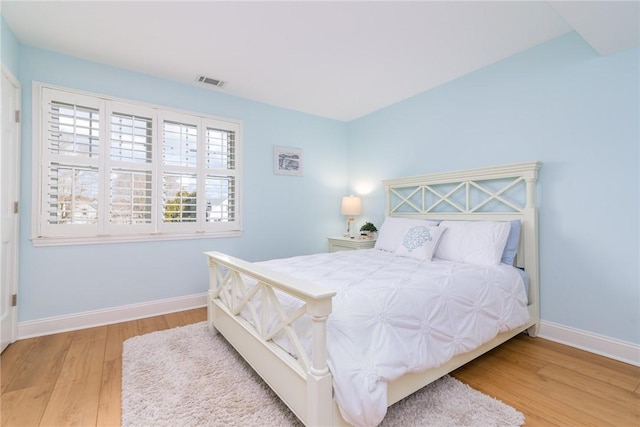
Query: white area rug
x=186, y=377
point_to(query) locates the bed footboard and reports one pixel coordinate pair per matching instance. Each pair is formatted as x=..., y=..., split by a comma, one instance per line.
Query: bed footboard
x=304, y=384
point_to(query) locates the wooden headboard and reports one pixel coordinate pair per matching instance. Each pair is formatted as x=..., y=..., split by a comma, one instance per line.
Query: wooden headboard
x=499, y=193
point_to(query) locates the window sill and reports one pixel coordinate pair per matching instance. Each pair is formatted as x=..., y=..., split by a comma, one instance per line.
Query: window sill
x=99, y=240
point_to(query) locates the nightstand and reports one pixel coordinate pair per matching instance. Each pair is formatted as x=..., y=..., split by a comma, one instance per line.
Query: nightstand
x=346, y=244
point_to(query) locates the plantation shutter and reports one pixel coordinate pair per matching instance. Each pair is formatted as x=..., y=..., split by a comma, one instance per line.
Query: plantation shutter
x=70, y=163
x=220, y=172
x=180, y=141
x=130, y=165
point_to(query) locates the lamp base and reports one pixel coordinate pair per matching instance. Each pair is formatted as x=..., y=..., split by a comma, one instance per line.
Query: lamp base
x=348, y=233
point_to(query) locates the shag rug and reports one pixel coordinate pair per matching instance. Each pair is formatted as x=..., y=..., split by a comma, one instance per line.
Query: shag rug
x=187, y=377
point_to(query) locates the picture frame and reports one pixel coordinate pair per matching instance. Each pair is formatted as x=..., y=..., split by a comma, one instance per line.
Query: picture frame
x=288, y=161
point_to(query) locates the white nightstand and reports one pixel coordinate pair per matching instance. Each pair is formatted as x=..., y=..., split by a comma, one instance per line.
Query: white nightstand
x=347, y=244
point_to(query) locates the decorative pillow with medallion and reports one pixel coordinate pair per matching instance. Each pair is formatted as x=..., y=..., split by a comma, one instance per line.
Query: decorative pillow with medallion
x=420, y=242
x=393, y=230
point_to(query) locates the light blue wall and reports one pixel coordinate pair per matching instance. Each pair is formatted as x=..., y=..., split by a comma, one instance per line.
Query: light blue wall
x=282, y=215
x=9, y=47
x=566, y=106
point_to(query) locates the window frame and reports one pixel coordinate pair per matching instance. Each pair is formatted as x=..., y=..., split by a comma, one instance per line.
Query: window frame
x=44, y=234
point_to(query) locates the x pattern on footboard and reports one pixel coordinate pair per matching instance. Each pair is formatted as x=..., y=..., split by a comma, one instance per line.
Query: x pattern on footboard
x=238, y=292
x=238, y=286
x=239, y=289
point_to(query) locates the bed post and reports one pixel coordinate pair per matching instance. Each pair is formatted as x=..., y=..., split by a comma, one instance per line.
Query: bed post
x=387, y=199
x=213, y=286
x=531, y=253
x=319, y=381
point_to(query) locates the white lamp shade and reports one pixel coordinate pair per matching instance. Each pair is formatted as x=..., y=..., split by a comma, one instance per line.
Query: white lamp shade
x=351, y=205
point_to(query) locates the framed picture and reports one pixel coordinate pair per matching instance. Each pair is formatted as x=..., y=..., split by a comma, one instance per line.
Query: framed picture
x=287, y=161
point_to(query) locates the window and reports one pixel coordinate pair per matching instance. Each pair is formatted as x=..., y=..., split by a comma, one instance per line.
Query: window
x=117, y=170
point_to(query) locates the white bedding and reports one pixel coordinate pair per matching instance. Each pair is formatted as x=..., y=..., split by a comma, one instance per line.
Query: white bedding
x=394, y=315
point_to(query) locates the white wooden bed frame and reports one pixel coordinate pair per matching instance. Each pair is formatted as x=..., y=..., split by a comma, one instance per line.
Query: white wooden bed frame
x=306, y=385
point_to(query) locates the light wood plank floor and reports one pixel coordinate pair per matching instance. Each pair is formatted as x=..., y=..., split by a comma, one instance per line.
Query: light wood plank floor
x=74, y=378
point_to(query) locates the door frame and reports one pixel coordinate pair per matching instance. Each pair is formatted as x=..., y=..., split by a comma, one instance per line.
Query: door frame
x=13, y=188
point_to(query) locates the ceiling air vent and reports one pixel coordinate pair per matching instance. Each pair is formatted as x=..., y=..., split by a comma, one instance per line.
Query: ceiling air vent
x=210, y=81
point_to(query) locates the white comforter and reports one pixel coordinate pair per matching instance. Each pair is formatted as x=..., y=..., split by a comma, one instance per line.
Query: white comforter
x=394, y=315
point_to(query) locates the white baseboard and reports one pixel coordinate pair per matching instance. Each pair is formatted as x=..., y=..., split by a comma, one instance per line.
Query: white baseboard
x=89, y=319
x=609, y=347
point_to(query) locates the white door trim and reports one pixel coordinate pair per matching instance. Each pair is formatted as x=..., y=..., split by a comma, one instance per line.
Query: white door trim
x=10, y=184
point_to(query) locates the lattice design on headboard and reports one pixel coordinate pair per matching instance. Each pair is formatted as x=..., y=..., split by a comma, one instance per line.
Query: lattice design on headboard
x=508, y=189
x=464, y=197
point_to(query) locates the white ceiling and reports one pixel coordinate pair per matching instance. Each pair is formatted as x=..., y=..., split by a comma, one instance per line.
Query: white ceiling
x=340, y=60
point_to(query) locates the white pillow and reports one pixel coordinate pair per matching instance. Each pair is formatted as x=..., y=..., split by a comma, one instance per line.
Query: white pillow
x=392, y=231
x=420, y=242
x=473, y=242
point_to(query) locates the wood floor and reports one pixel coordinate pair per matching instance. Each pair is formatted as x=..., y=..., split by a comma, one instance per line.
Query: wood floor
x=74, y=378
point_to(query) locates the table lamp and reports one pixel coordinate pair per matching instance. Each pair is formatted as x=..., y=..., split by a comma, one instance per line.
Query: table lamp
x=351, y=205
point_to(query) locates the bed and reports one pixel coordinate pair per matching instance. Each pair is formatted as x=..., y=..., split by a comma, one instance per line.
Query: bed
x=299, y=371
